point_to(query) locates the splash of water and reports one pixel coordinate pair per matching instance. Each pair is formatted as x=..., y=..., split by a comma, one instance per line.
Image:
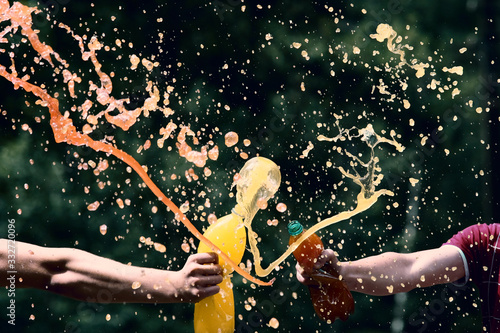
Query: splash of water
x=386, y=33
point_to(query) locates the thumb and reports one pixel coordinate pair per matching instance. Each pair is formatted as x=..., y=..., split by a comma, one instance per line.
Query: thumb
x=327, y=257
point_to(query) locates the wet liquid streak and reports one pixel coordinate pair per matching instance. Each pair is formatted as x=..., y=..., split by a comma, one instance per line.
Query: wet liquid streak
x=385, y=31
x=365, y=199
x=63, y=128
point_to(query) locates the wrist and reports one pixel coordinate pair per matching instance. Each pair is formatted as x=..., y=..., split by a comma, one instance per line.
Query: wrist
x=343, y=270
x=157, y=286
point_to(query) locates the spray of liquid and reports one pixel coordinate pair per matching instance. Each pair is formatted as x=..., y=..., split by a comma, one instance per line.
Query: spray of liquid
x=259, y=180
x=19, y=16
x=394, y=43
x=385, y=31
x=366, y=197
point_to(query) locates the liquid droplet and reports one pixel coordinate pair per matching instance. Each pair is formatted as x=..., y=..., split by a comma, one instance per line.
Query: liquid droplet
x=262, y=203
x=93, y=206
x=103, y=229
x=281, y=207
x=212, y=218
x=185, y=247
x=184, y=207
x=160, y=247
x=273, y=323
x=231, y=138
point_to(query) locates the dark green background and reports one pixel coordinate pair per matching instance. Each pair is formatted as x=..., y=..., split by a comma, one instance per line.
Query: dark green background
x=262, y=87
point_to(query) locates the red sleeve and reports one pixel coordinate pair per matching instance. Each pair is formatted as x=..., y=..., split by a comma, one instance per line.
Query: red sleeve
x=474, y=243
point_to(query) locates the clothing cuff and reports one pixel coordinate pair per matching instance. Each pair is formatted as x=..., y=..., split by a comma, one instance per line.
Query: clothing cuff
x=463, y=281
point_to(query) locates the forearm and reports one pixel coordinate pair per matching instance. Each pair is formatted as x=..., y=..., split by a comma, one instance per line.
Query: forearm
x=379, y=275
x=390, y=272
x=91, y=278
x=87, y=277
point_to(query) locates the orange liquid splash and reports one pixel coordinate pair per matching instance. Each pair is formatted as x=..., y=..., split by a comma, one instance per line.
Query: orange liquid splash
x=62, y=126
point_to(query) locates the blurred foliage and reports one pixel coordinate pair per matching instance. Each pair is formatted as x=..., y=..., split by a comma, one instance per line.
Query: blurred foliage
x=233, y=67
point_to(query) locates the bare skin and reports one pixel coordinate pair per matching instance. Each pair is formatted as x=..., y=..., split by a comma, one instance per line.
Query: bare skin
x=81, y=275
x=391, y=273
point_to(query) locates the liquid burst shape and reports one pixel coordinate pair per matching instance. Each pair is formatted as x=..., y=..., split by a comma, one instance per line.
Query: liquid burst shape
x=366, y=197
x=385, y=31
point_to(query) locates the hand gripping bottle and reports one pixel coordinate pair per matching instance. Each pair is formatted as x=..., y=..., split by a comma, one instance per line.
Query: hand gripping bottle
x=331, y=298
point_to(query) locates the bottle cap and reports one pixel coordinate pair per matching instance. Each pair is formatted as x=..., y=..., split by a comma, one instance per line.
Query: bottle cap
x=295, y=228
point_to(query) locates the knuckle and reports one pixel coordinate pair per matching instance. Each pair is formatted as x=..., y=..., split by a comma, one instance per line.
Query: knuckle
x=195, y=292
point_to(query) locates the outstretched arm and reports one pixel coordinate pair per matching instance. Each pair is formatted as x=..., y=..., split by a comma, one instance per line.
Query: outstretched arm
x=390, y=272
x=78, y=274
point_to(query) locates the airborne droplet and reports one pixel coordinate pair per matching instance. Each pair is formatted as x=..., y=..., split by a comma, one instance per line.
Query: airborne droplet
x=231, y=138
x=281, y=207
x=103, y=229
x=93, y=206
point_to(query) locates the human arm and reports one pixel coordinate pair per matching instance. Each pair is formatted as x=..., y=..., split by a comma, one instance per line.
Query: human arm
x=390, y=272
x=81, y=275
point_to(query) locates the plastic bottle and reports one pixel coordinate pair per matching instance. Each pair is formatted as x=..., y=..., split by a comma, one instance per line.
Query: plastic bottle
x=258, y=180
x=216, y=313
x=331, y=298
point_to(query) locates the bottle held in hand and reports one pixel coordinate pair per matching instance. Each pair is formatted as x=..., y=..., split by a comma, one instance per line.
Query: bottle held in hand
x=331, y=298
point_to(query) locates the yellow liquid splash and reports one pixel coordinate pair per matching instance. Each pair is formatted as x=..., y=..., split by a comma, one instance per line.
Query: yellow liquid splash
x=366, y=197
x=385, y=31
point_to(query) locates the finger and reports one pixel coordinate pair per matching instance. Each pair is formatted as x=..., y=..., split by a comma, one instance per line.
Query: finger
x=205, y=258
x=208, y=291
x=208, y=269
x=209, y=280
x=331, y=256
x=302, y=277
x=306, y=280
x=327, y=257
x=322, y=260
x=301, y=271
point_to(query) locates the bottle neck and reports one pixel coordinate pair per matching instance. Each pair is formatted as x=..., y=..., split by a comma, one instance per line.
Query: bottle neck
x=238, y=211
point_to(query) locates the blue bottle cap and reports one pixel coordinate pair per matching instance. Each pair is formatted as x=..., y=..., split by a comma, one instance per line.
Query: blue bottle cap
x=295, y=228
